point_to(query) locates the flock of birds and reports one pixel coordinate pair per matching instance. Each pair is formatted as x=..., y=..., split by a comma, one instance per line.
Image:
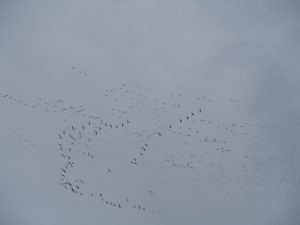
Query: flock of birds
x=165, y=134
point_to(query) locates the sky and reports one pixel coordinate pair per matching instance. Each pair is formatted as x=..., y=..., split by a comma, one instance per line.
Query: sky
x=144, y=67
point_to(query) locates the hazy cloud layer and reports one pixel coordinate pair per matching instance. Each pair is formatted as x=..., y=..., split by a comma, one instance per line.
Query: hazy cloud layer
x=68, y=53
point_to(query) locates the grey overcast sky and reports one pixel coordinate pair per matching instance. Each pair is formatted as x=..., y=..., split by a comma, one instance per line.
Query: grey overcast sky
x=149, y=112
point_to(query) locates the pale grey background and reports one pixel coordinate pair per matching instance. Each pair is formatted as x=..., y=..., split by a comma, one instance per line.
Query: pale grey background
x=246, y=49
